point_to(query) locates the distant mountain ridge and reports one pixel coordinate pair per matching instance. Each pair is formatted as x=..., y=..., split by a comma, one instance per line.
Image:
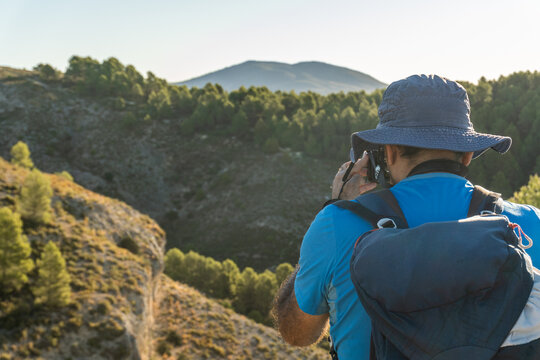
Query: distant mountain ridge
x=313, y=76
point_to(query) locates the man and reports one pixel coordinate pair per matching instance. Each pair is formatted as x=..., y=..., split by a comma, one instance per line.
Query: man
x=422, y=118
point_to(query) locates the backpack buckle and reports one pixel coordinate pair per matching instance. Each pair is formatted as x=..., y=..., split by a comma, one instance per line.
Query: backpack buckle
x=386, y=223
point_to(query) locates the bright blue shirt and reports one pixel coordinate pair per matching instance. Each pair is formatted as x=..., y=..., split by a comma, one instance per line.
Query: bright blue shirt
x=323, y=283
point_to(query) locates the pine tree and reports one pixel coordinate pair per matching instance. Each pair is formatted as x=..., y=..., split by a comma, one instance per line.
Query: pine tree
x=530, y=193
x=35, y=200
x=20, y=155
x=15, y=262
x=244, y=300
x=174, y=265
x=283, y=271
x=230, y=276
x=265, y=289
x=52, y=287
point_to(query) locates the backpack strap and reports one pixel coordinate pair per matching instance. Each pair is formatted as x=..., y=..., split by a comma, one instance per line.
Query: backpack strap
x=376, y=206
x=484, y=200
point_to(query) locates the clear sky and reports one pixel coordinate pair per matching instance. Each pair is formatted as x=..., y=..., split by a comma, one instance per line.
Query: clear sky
x=178, y=40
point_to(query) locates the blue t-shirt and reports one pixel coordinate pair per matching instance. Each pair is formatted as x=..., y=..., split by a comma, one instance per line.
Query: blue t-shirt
x=323, y=283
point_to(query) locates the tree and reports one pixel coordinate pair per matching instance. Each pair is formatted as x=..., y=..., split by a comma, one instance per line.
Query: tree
x=47, y=72
x=245, y=291
x=52, y=287
x=35, y=199
x=20, y=155
x=194, y=268
x=283, y=271
x=230, y=276
x=159, y=103
x=174, y=264
x=530, y=193
x=211, y=272
x=15, y=262
x=265, y=290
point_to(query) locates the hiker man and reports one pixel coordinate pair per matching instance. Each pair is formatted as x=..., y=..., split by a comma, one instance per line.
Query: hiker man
x=427, y=140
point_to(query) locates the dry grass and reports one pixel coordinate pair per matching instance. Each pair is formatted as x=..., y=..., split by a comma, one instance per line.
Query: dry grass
x=112, y=288
x=190, y=326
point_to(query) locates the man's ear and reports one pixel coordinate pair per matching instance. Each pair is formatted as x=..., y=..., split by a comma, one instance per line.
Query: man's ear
x=392, y=153
x=467, y=158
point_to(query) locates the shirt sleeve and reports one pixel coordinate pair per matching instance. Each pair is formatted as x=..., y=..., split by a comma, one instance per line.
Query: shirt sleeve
x=317, y=256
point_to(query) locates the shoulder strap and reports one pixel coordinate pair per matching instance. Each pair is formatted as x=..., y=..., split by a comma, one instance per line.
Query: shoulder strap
x=483, y=199
x=376, y=206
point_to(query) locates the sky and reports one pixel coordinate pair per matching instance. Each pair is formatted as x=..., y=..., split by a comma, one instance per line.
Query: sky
x=179, y=40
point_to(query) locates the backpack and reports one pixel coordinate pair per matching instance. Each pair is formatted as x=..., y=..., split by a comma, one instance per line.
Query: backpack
x=441, y=290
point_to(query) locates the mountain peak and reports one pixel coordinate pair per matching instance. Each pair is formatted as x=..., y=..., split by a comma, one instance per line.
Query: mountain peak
x=303, y=76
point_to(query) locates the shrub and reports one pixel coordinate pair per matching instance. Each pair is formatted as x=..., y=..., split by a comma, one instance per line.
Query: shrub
x=14, y=252
x=52, y=287
x=283, y=271
x=129, y=244
x=20, y=155
x=35, y=199
x=530, y=193
x=64, y=174
x=174, y=264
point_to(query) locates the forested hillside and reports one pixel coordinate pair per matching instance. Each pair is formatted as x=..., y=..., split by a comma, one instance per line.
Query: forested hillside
x=235, y=174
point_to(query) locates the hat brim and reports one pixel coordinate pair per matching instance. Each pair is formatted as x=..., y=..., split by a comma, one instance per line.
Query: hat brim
x=443, y=138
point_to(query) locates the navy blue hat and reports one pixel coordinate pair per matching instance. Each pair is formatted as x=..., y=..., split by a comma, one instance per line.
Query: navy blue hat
x=427, y=111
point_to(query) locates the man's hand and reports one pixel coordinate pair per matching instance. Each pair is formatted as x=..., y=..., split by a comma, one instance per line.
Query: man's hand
x=295, y=326
x=356, y=183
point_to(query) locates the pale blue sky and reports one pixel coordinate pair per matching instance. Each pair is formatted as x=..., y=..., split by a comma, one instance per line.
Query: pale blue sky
x=177, y=40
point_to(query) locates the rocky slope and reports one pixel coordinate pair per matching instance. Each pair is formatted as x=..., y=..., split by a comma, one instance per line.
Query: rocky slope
x=113, y=255
x=122, y=307
x=216, y=195
x=189, y=326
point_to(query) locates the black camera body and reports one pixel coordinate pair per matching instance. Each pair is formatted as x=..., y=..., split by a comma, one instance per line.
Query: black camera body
x=377, y=171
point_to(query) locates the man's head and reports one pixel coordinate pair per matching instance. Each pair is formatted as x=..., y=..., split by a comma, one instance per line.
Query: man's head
x=424, y=117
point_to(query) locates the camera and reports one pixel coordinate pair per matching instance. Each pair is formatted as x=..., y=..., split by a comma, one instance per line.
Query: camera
x=377, y=171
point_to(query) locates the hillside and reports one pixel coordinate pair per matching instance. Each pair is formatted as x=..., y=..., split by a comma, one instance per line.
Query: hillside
x=313, y=76
x=112, y=287
x=122, y=306
x=189, y=326
x=216, y=195
x=235, y=175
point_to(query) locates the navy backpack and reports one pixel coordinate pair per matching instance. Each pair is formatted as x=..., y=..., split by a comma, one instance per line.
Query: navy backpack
x=443, y=290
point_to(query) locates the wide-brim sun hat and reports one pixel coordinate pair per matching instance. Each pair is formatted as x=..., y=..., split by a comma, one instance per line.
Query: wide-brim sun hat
x=427, y=111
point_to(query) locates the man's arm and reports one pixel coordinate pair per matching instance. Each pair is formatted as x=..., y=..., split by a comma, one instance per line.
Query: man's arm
x=295, y=326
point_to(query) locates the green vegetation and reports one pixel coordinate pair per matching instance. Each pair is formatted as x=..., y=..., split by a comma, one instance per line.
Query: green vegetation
x=283, y=271
x=315, y=124
x=66, y=175
x=250, y=293
x=530, y=193
x=47, y=72
x=52, y=287
x=20, y=155
x=34, y=202
x=15, y=262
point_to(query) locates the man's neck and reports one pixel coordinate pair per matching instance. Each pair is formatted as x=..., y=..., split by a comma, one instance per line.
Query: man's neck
x=439, y=165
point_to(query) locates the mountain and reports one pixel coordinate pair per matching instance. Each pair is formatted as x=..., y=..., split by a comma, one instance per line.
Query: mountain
x=313, y=76
x=122, y=306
